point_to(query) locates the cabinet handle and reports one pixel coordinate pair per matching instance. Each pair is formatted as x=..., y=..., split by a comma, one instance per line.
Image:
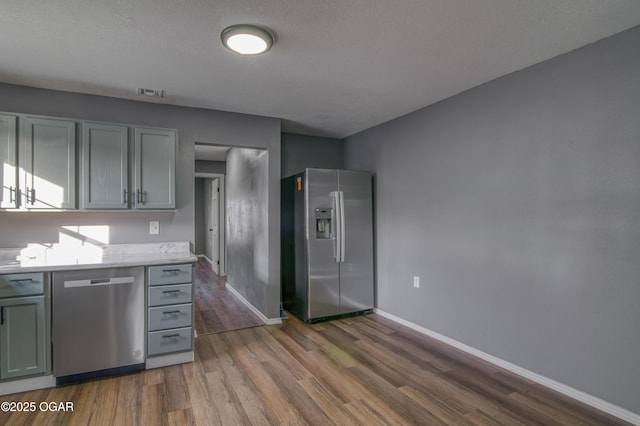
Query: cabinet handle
x=11, y=197
x=124, y=197
x=170, y=336
x=171, y=313
x=171, y=271
x=31, y=196
x=20, y=281
x=141, y=197
x=2, y=315
x=171, y=291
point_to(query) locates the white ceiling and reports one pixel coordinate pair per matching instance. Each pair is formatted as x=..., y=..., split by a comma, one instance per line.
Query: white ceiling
x=338, y=67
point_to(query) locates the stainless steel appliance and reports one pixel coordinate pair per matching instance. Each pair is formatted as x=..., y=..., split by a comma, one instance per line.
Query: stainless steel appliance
x=327, y=243
x=97, y=322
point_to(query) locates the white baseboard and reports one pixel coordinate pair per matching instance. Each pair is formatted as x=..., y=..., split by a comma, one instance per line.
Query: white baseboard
x=25, y=385
x=267, y=321
x=205, y=258
x=576, y=394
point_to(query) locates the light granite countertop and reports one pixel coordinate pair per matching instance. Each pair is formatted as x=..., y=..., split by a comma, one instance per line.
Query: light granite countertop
x=55, y=257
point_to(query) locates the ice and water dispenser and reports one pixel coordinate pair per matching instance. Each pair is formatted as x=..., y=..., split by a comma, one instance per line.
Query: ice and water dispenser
x=323, y=224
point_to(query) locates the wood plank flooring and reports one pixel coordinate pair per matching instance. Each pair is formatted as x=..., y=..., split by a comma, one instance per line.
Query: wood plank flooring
x=359, y=371
x=217, y=309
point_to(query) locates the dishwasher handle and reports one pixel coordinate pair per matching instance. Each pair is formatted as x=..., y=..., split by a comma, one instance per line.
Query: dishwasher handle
x=98, y=281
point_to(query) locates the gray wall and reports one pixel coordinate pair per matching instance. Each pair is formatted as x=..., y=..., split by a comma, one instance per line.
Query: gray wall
x=518, y=205
x=246, y=228
x=211, y=167
x=207, y=126
x=300, y=152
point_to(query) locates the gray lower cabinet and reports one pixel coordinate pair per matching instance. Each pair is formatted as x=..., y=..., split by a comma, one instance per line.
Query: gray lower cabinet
x=24, y=340
x=169, y=309
x=105, y=165
x=47, y=160
x=154, y=164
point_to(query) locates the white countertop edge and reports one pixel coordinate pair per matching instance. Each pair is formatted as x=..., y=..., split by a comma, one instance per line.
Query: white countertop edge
x=115, y=255
x=17, y=269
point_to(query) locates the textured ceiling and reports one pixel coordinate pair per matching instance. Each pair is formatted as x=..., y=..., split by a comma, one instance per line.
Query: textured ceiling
x=338, y=67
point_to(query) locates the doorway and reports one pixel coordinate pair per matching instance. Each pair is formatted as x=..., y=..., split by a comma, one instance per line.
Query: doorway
x=217, y=309
x=214, y=225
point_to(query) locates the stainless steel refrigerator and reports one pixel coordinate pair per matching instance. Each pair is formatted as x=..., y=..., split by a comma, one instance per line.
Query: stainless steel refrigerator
x=327, y=243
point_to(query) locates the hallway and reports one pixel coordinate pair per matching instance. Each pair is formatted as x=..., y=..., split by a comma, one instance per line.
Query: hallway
x=217, y=309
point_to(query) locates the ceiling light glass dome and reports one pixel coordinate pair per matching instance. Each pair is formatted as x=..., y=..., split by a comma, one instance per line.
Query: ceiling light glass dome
x=246, y=39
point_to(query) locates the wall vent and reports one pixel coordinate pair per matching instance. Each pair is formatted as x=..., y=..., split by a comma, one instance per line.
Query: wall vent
x=154, y=93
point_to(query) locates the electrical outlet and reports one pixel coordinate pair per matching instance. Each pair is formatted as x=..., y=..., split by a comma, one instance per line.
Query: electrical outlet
x=154, y=227
x=416, y=281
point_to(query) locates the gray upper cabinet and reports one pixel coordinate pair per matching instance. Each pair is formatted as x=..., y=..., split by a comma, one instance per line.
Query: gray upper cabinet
x=104, y=166
x=154, y=168
x=23, y=342
x=47, y=159
x=9, y=174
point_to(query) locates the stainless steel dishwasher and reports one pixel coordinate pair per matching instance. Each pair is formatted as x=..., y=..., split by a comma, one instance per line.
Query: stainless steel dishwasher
x=97, y=323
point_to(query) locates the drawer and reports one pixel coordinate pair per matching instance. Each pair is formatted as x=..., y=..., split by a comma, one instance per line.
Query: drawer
x=162, y=342
x=169, y=274
x=13, y=285
x=173, y=316
x=169, y=294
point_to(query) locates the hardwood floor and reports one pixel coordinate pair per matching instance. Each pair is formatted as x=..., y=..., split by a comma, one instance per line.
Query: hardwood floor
x=364, y=370
x=217, y=309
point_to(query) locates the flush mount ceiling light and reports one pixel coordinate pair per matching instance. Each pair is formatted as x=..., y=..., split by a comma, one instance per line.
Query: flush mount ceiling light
x=246, y=39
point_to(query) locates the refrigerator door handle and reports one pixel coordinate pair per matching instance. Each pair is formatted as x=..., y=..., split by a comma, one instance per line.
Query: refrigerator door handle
x=342, y=226
x=338, y=236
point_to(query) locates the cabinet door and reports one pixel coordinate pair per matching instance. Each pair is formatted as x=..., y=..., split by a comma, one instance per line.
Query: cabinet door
x=155, y=158
x=9, y=173
x=22, y=337
x=47, y=161
x=104, y=166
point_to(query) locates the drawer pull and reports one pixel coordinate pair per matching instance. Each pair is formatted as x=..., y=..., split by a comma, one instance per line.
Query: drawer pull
x=171, y=313
x=171, y=336
x=171, y=271
x=170, y=291
x=100, y=281
x=23, y=280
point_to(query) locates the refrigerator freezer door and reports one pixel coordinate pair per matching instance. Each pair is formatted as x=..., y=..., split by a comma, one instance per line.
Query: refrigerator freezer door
x=323, y=279
x=356, y=269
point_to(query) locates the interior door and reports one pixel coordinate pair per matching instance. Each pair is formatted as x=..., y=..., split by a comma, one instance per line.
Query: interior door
x=214, y=233
x=356, y=271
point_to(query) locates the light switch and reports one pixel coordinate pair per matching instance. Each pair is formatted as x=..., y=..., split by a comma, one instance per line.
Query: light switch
x=154, y=227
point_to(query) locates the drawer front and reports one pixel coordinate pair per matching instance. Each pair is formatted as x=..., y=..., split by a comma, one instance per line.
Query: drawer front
x=169, y=274
x=14, y=285
x=165, y=341
x=172, y=316
x=169, y=294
